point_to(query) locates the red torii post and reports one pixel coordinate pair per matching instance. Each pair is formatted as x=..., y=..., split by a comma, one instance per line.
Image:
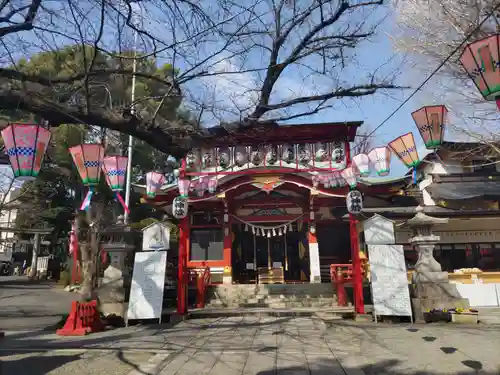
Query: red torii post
x=182, y=274
x=357, y=277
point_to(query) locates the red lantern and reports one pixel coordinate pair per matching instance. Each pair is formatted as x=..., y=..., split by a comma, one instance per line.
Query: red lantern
x=25, y=145
x=115, y=168
x=88, y=160
x=430, y=122
x=481, y=61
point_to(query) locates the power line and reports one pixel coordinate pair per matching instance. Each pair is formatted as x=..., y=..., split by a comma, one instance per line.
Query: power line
x=436, y=70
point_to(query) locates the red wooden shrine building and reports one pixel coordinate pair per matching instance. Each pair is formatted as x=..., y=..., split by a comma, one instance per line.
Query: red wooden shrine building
x=257, y=213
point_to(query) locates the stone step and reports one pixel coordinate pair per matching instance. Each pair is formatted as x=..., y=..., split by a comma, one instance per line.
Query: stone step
x=266, y=300
x=332, y=311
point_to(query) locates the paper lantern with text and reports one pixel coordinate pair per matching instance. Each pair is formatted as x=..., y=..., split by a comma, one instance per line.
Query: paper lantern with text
x=350, y=176
x=180, y=207
x=481, y=60
x=362, y=164
x=354, y=202
x=431, y=121
x=380, y=157
x=115, y=168
x=88, y=159
x=25, y=144
x=405, y=149
x=154, y=182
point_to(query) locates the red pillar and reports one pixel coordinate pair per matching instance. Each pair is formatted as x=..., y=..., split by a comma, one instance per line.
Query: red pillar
x=182, y=287
x=357, y=278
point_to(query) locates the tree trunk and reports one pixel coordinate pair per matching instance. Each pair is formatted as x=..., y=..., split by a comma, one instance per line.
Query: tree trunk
x=89, y=250
x=87, y=270
x=34, y=257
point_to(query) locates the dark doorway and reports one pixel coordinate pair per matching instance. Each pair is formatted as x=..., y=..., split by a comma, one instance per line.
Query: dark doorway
x=262, y=252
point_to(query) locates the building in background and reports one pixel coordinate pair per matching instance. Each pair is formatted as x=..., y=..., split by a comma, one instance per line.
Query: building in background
x=8, y=214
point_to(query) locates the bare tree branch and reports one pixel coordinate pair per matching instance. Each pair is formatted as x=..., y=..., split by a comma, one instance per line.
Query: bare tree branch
x=229, y=62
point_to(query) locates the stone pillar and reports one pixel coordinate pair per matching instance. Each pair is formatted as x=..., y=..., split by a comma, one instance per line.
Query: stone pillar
x=112, y=292
x=430, y=288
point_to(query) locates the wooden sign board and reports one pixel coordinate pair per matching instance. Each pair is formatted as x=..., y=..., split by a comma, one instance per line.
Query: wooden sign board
x=156, y=237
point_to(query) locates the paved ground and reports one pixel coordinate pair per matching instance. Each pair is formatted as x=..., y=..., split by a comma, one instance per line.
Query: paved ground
x=26, y=306
x=260, y=346
x=246, y=345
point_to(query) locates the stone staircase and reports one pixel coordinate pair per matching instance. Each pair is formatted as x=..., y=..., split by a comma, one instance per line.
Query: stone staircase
x=273, y=296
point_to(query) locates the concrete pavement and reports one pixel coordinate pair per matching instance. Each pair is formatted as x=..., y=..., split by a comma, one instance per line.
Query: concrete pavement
x=26, y=305
x=260, y=346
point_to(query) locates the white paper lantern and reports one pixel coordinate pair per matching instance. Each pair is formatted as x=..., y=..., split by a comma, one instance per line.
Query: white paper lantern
x=180, y=207
x=349, y=176
x=380, y=157
x=354, y=202
x=362, y=164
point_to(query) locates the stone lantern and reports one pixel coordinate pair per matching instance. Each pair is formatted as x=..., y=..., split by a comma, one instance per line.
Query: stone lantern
x=431, y=288
x=120, y=242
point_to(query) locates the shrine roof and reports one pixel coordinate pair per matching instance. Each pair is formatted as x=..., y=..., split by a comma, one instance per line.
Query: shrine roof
x=275, y=133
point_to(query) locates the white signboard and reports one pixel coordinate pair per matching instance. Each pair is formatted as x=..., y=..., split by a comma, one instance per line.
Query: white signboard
x=389, y=283
x=148, y=281
x=156, y=237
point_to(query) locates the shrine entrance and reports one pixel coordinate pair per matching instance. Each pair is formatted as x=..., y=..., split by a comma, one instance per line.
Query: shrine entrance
x=287, y=253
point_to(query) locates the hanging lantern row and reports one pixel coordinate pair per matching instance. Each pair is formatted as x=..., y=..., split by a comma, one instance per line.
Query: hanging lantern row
x=379, y=158
x=201, y=185
x=328, y=155
x=329, y=180
x=90, y=161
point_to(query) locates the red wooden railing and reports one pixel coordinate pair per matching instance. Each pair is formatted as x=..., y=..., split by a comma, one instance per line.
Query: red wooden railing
x=201, y=279
x=341, y=274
